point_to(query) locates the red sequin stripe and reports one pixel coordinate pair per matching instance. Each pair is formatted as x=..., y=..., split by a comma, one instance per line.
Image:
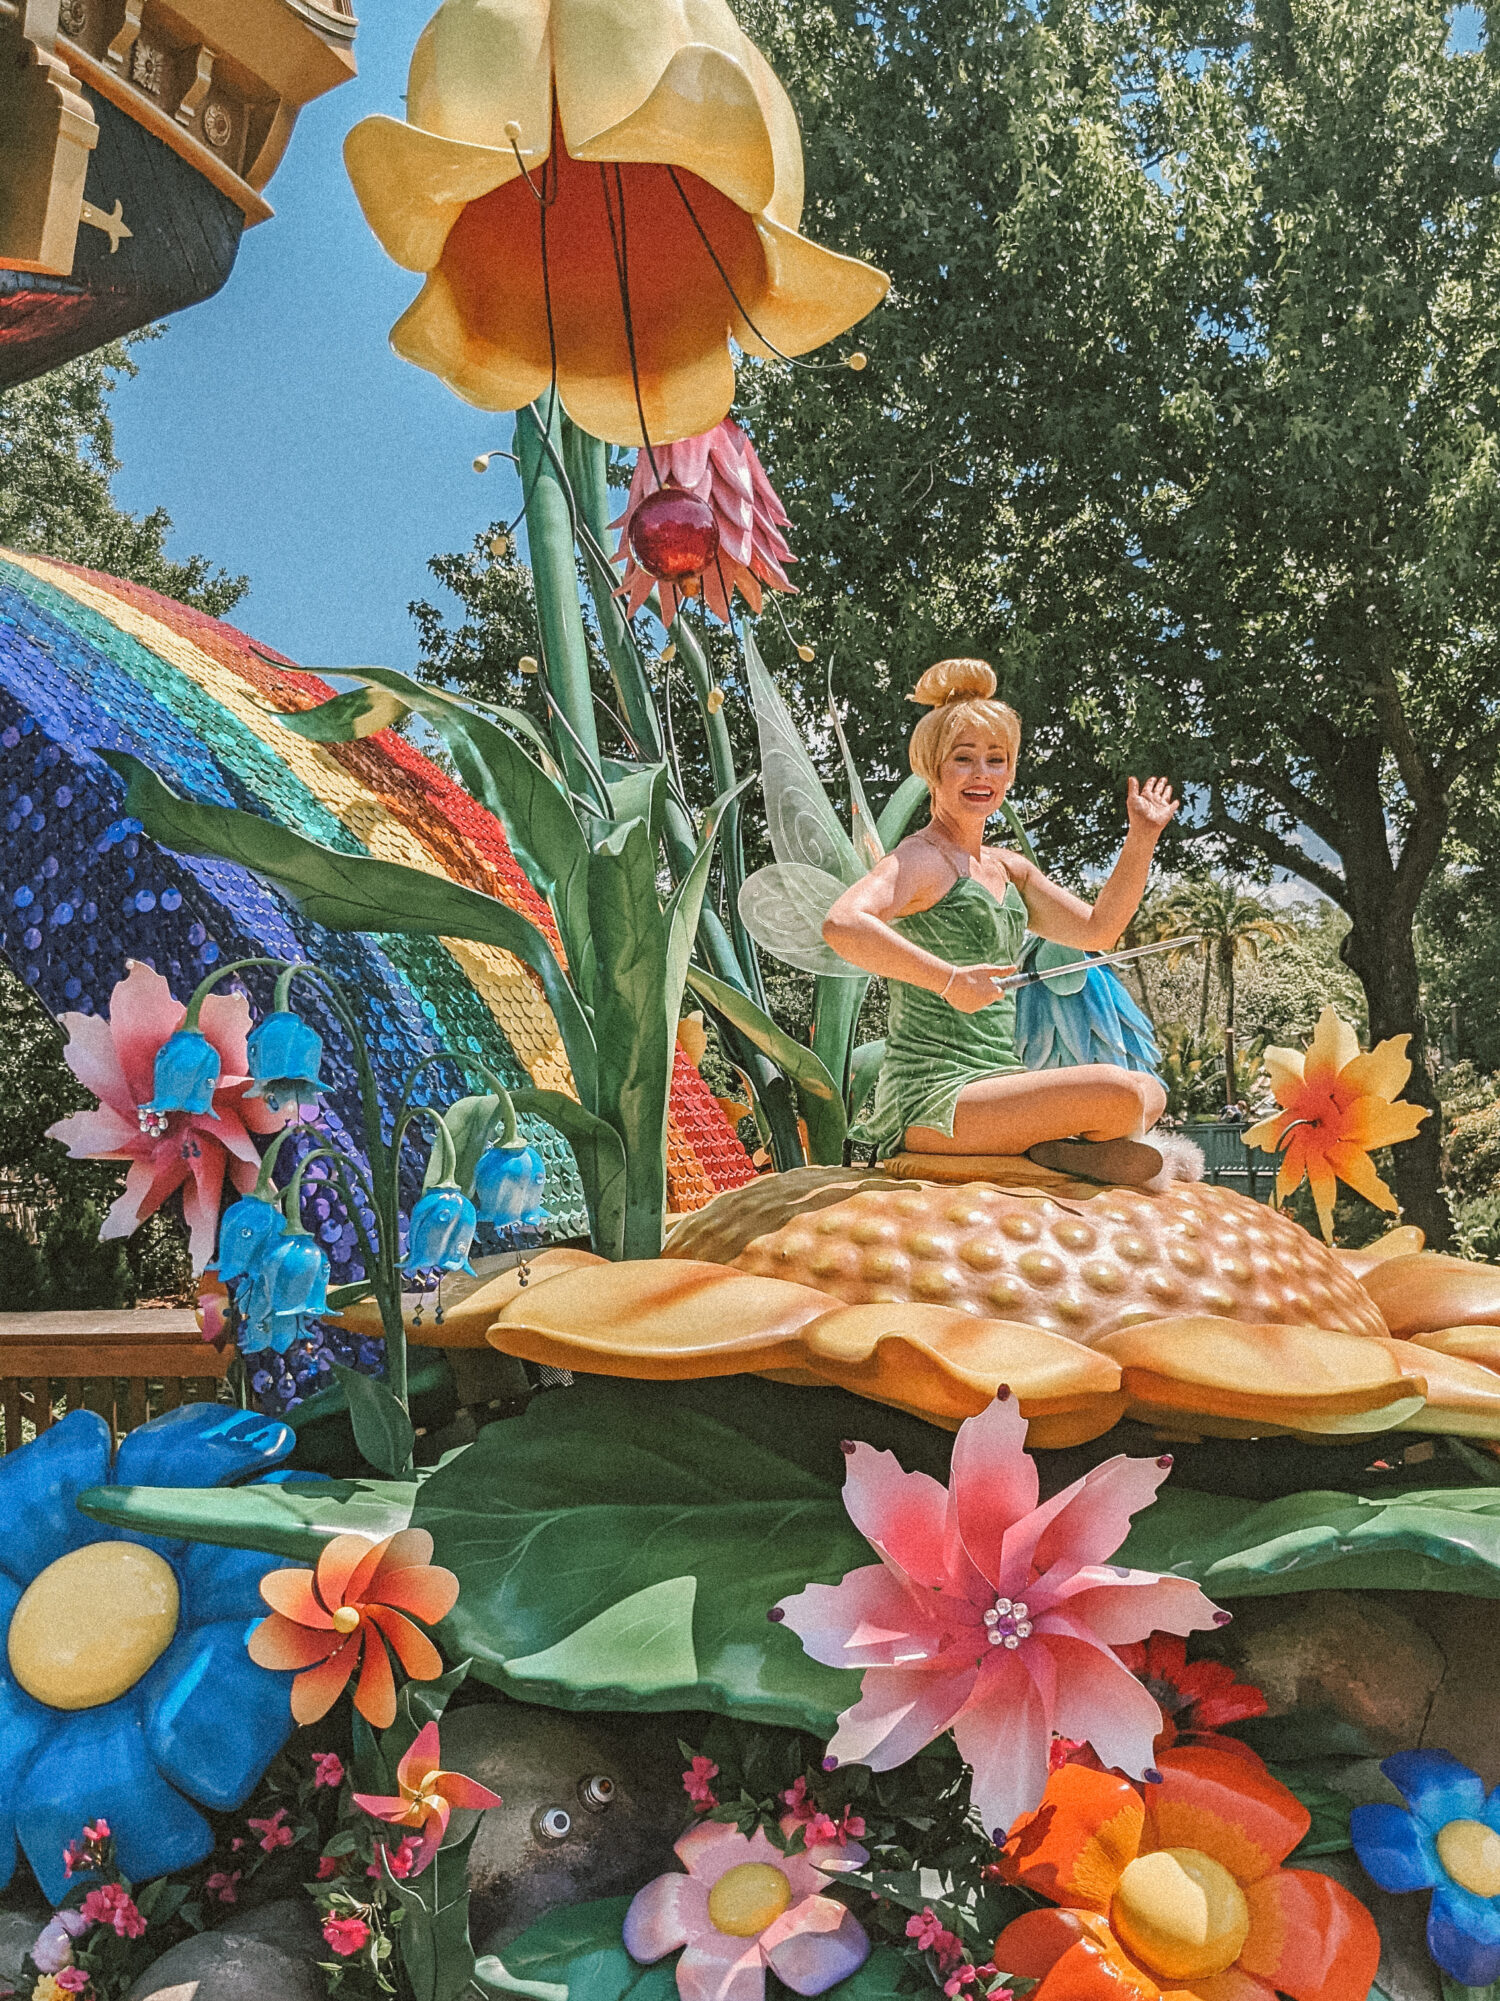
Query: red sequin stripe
x=723, y=1161
x=462, y=835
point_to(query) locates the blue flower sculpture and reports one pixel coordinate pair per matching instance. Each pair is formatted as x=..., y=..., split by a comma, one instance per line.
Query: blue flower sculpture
x=1447, y=1840
x=125, y=1687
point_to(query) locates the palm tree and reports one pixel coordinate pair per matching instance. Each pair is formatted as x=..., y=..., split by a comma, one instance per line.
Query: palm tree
x=1233, y=924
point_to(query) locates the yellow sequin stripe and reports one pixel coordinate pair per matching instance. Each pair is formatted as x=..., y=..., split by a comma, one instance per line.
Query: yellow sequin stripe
x=498, y=977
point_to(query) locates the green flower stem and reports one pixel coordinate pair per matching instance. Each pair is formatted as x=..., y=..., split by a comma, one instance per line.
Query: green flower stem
x=205, y=987
x=587, y=461
x=509, y=1132
x=554, y=570
x=725, y=777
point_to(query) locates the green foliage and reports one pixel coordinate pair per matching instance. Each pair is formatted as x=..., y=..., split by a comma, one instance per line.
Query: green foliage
x=294, y=1518
x=382, y=1429
x=576, y=1953
x=1184, y=409
x=481, y=655
x=57, y=460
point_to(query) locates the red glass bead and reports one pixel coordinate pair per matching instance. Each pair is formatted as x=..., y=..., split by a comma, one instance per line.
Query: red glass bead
x=674, y=535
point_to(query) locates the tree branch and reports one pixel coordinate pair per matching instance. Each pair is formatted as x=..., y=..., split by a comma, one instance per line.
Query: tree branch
x=1280, y=788
x=1280, y=853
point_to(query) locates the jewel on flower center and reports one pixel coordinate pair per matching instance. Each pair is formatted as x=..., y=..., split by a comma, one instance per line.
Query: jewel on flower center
x=1470, y=1852
x=1009, y=1622
x=90, y=1624
x=1180, y=1913
x=747, y=1898
x=346, y=1619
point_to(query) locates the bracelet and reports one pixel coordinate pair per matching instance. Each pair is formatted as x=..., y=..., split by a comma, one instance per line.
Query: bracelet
x=953, y=975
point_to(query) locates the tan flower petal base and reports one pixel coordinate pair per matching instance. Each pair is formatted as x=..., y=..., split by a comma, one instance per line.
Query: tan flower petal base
x=1427, y=1291
x=1267, y=1378
x=1463, y=1394
x=1470, y=1344
x=1403, y=1242
x=469, y=1305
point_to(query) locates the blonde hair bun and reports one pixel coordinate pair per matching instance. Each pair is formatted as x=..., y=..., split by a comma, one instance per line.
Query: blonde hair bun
x=955, y=681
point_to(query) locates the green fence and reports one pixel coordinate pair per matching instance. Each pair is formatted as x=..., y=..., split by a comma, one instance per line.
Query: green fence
x=1229, y=1163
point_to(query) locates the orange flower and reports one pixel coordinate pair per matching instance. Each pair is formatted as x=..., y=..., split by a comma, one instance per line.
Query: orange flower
x=353, y=1605
x=1174, y=1892
x=427, y=1796
x=1338, y=1104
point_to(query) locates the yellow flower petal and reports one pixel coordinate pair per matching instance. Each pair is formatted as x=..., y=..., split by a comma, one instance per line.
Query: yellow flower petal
x=1334, y=1045
x=1284, y=1067
x=1353, y=1165
x=1371, y=1122
x=1325, y=1188
x=1382, y=1072
x=1266, y=1137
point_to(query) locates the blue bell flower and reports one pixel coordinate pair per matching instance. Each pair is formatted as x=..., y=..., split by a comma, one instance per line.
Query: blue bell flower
x=187, y=1074
x=507, y=1183
x=283, y=1294
x=285, y=1058
x=249, y=1227
x=442, y=1229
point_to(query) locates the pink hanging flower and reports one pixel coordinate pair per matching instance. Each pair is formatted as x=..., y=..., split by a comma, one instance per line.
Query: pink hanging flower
x=110, y=1905
x=328, y=1769
x=743, y=1906
x=224, y=1884
x=274, y=1833
x=115, y=1058
x=721, y=468
x=992, y=1616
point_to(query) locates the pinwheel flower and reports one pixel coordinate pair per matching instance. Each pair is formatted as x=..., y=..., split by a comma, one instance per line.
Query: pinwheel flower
x=994, y=1617
x=286, y=1057
x=427, y=1796
x=354, y=1604
x=722, y=470
x=562, y=156
x=1338, y=1104
x=115, y=1058
x=744, y=1906
x=1447, y=1840
x=125, y=1692
x=508, y=1185
x=1178, y=1894
x=441, y=1232
x=1196, y=1698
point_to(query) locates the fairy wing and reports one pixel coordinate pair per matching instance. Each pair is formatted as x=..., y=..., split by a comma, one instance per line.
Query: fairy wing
x=803, y=826
x=783, y=908
x=867, y=842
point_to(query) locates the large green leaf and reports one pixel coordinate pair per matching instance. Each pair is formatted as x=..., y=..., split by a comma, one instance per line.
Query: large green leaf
x=601, y=1163
x=1445, y=1539
x=472, y=1124
x=633, y=1028
x=382, y=1429
x=348, y=718
x=576, y=1953
x=292, y=1518
x=592, y=1498
x=356, y=892
x=434, y=1938
x=901, y=809
x=819, y=1098
x=684, y=906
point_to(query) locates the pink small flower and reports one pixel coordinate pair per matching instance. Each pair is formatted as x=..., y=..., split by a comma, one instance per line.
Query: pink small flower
x=402, y=1859
x=273, y=1833
x=925, y=1929
x=994, y=1617
x=225, y=1884
x=237, y=1844
x=54, y=1945
x=347, y=1936
x=96, y=1831
x=329, y=1866
x=112, y=1906
x=744, y=1906
x=72, y=1979
x=695, y=1783
x=328, y=1769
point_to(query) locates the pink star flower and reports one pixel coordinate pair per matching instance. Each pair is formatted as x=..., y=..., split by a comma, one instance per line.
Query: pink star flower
x=328, y=1769
x=721, y=468
x=744, y=1906
x=992, y=1616
x=115, y=1058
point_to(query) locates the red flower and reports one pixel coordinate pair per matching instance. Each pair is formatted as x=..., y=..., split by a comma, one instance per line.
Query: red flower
x=274, y=1833
x=1197, y=1698
x=721, y=468
x=112, y=1906
x=224, y=1884
x=329, y=1866
x=347, y=1936
x=328, y=1769
x=400, y=1860
x=695, y=1783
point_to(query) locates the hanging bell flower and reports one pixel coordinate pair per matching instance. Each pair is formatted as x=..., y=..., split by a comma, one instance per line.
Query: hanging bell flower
x=288, y=1291
x=507, y=1184
x=442, y=1229
x=186, y=1075
x=247, y=1231
x=285, y=1058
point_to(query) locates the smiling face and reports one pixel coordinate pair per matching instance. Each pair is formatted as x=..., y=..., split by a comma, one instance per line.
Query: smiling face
x=973, y=778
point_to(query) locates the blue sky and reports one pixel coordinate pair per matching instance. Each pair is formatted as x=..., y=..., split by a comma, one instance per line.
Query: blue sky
x=279, y=431
x=282, y=435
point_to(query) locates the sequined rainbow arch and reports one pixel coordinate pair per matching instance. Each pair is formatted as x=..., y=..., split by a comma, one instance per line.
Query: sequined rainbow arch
x=88, y=662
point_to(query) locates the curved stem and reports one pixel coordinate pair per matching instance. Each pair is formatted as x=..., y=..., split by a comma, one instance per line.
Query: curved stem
x=473, y=1064
x=205, y=987
x=410, y=1114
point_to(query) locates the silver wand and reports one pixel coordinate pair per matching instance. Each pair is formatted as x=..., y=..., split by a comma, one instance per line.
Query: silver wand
x=1011, y=981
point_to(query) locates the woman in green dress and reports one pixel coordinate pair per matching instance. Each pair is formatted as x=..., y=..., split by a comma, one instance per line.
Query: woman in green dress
x=942, y=918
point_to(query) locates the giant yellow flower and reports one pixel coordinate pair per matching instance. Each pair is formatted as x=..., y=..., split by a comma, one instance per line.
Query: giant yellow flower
x=1338, y=1104
x=663, y=166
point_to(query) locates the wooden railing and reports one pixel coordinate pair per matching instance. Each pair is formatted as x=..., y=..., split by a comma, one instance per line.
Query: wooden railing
x=127, y=1366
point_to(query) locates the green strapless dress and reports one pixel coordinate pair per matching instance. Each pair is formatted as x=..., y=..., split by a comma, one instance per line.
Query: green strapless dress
x=932, y=1050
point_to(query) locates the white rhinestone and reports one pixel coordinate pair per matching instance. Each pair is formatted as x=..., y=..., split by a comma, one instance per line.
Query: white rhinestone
x=991, y=1618
x=1003, y=1605
x=1019, y=1609
x=995, y=1639
x=1011, y=1641
x=1023, y=1631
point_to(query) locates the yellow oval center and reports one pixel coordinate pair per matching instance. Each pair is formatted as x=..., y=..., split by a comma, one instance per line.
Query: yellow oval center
x=346, y=1618
x=747, y=1899
x=1180, y=1913
x=1470, y=1852
x=91, y=1624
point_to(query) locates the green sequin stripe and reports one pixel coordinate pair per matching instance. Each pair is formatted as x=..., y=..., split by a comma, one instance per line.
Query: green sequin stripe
x=448, y=1001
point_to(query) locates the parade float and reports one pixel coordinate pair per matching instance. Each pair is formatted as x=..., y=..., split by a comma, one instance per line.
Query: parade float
x=620, y=1571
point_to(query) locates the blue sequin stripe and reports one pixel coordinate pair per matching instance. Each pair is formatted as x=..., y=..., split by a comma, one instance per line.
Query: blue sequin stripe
x=463, y=1021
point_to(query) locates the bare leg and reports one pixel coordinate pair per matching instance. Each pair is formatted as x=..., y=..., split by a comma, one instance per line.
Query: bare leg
x=1009, y=1115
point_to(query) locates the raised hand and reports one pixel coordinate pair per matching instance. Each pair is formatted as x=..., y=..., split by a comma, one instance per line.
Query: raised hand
x=1150, y=807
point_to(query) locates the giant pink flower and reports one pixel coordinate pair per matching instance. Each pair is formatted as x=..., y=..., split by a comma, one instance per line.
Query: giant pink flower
x=743, y=1906
x=994, y=1617
x=722, y=469
x=115, y=1058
